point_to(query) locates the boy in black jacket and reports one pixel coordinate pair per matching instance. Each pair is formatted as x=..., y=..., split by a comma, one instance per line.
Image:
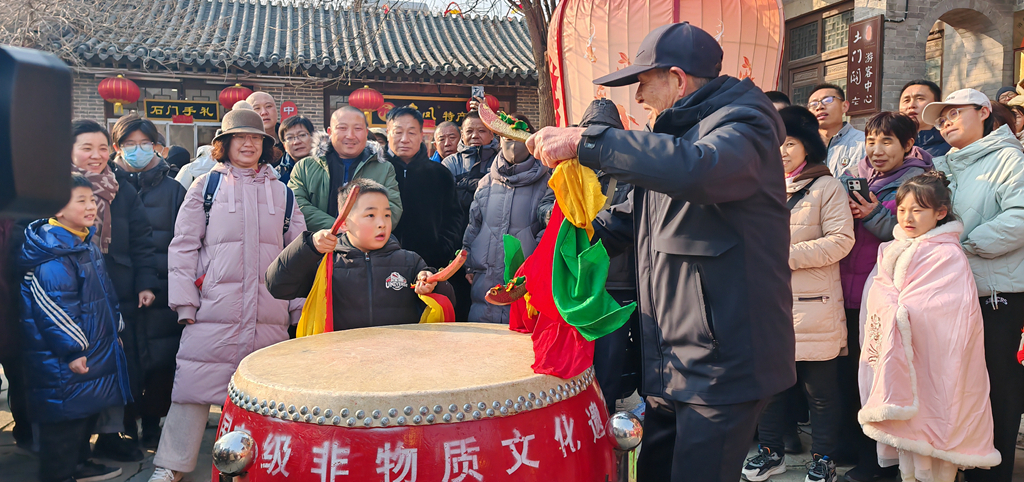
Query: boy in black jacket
x=371, y=284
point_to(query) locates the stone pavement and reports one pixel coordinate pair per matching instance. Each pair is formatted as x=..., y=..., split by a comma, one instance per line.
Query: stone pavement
x=17, y=465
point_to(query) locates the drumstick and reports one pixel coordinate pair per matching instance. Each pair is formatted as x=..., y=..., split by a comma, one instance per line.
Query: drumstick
x=346, y=208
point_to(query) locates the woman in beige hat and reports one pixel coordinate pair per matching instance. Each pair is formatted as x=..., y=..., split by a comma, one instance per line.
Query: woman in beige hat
x=216, y=264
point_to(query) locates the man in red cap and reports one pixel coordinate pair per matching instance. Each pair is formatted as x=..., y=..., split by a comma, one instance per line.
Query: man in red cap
x=712, y=239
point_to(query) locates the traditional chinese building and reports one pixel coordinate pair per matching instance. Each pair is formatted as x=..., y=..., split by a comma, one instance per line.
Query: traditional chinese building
x=182, y=54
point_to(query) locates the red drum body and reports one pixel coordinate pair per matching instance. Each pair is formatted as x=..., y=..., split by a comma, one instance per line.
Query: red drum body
x=435, y=402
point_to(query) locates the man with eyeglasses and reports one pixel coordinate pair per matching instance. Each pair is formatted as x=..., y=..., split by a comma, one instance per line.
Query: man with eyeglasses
x=297, y=134
x=913, y=99
x=845, y=144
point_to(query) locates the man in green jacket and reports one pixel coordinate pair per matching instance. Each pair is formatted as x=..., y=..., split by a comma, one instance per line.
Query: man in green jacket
x=344, y=156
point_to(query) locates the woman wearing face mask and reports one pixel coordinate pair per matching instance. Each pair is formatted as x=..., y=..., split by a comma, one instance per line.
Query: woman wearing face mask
x=891, y=159
x=985, y=168
x=216, y=271
x=506, y=202
x=156, y=333
x=125, y=237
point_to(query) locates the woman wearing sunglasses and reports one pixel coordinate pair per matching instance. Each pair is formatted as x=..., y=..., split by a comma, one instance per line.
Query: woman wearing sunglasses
x=986, y=171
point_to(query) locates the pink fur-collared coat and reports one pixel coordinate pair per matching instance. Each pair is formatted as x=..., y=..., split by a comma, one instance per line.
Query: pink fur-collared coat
x=923, y=381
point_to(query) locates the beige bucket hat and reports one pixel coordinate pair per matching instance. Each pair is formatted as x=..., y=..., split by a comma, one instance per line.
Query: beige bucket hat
x=241, y=121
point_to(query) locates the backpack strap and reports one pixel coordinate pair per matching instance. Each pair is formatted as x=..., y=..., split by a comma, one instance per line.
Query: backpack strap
x=797, y=196
x=288, y=207
x=212, y=185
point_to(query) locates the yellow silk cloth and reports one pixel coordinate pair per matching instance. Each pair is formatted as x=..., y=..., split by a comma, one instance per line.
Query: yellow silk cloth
x=578, y=192
x=317, y=309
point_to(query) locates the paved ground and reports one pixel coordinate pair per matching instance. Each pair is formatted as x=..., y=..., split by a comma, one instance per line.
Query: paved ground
x=17, y=465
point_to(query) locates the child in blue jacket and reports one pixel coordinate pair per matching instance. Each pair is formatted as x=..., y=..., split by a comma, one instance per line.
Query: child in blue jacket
x=74, y=365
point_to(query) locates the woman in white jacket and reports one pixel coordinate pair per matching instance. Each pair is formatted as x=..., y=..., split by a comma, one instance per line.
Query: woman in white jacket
x=821, y=233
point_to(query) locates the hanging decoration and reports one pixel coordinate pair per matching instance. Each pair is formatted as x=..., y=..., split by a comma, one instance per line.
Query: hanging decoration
x=118, y=91
x=366, y=99
x=490, y=100
x=229, y=96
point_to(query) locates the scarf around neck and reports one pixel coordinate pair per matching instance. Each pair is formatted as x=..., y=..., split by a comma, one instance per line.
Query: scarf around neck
x=917, y=157
x=104, y=187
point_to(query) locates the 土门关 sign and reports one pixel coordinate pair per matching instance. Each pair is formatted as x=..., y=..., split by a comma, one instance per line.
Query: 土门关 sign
x=864, y=69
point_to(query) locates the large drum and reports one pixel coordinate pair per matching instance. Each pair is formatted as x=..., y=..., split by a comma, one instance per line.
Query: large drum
x=445, y=402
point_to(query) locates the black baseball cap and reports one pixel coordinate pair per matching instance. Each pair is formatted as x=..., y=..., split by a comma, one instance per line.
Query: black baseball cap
x=674, y=45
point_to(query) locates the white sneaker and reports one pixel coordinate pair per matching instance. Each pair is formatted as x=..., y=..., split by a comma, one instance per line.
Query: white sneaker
x=165, y=475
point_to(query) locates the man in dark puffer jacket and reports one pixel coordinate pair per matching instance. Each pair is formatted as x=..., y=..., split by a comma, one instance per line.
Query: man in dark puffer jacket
x=372, y=274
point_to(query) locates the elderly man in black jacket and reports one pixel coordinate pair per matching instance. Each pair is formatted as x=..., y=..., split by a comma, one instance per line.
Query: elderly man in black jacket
x=712, y=239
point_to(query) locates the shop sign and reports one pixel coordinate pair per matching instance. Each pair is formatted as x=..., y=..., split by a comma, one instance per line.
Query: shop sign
x=160, y=109
x=439, y=109
x=288, y=109
x=864, y=69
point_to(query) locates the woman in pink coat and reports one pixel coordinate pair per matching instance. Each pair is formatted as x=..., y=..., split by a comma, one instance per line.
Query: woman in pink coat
x=923, y=379
x=216, y=281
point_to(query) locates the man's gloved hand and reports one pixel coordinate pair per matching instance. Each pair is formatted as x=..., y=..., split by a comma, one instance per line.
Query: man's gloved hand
x=552, y=145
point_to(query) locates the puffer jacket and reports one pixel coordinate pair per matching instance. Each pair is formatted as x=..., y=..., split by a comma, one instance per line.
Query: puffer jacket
x=201, y=165
x=156, y=332
x=987, y=181
x=369, y=289
x=820, y=234
x=506, y=202
x=468, y=166
x=311, y=180
x=233, y=311
x=69, y=311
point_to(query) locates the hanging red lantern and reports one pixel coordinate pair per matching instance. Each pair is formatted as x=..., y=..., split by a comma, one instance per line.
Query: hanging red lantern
x=118, y=91
x=229, y=96
x=491, y=100
x=366, y=99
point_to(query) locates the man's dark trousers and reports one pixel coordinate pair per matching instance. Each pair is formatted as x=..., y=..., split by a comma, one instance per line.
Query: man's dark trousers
x=696, y=443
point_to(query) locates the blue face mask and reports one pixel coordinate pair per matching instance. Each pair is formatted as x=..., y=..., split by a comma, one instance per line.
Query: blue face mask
x=137, y=156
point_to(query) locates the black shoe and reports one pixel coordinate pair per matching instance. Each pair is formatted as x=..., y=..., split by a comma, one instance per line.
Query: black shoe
x=793, y=443
x=764, y=465
x=862, y=473
x=93, y=472
x=822, y=469
x=117, y=447
x=150, y=432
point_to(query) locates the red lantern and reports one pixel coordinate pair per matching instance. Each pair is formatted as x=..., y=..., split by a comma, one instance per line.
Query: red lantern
x=491, y=100
x=118, y=90
x=229, y=96
x=366, y=99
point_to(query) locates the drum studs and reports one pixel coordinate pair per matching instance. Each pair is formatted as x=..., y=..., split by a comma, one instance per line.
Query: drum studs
x=540, y=403
x=476, y=414
x=336, y=420
x=558, y=396
x=273, y=413
x=328, y=413
x=467, y=407
x=263, y=403
x=265, y=411
x=384, y=422
x=496, y=404
x=518, y=407
x=344, y=412
x=460, y=416
x=417, y=419
x=320, y=421
x=280, y=407
x=560, y=388
x=401, y=420
x=296, y=417
x=508, y=403
x=367, y=422
x=504, y=410
x=246, y=399
x=303, y=410
x=273, y=403
x=437, y=409
x=521, y=399
x=532, y=396
x=408, y=410
x=447, y=417
x=308, y=418
x=291, y=408
x=490, y=412
x=424, y=410
x=351, y=422
x=551, y=392
x=284, y=415
x=528, y=405
x=393, y=412
x=316, y=410
x=376, y=414
x=360, y=414
x=430, y=418
x=453, y=408
x=481, y=405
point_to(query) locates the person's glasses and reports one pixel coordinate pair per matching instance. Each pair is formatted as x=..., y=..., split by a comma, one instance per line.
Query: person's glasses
x=952, y=116
x=146, y=146
x=253, y=138
x=814, y=104
x=302, y=136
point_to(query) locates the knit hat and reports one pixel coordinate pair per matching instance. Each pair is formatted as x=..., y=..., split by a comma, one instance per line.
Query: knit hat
x=1005, y=90
x=178, y=156
x=803, y=126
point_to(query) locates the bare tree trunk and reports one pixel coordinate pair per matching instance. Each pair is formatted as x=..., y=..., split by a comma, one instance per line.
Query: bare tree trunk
x=537, y=23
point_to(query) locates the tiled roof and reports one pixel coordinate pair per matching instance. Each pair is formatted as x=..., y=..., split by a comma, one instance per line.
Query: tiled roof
x=257, y=34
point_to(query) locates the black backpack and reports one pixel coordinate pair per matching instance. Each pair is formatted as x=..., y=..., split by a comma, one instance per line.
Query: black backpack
x=213, y=184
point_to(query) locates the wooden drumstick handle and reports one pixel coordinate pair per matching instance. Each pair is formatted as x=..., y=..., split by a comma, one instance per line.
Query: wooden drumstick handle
x=346, y=208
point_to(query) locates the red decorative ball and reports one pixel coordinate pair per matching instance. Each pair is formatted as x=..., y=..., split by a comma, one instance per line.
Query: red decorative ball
x=229, y=96
x=366, y=99
x=491, y=100
x=118, y=90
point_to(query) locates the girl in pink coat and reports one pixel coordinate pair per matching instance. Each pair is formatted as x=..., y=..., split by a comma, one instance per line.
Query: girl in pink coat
x=923, y=380
x=216, y=272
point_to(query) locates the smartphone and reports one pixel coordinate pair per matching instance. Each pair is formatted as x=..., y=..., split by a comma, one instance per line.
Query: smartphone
x=477, y=91
x=858, y=185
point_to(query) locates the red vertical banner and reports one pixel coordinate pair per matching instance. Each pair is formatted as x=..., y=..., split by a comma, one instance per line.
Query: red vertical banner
x=864, y=69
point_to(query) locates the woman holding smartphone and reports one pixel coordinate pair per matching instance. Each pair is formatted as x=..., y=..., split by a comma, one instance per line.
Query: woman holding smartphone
x=891, y=159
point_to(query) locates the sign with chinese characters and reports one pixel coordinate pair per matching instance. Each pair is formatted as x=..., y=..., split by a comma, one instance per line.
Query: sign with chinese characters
x=864, y=69
x=288, y=109
x=202, y=111
x=439, y=109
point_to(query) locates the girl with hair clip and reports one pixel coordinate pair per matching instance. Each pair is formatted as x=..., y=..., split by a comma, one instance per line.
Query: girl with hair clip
x=922, y=365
